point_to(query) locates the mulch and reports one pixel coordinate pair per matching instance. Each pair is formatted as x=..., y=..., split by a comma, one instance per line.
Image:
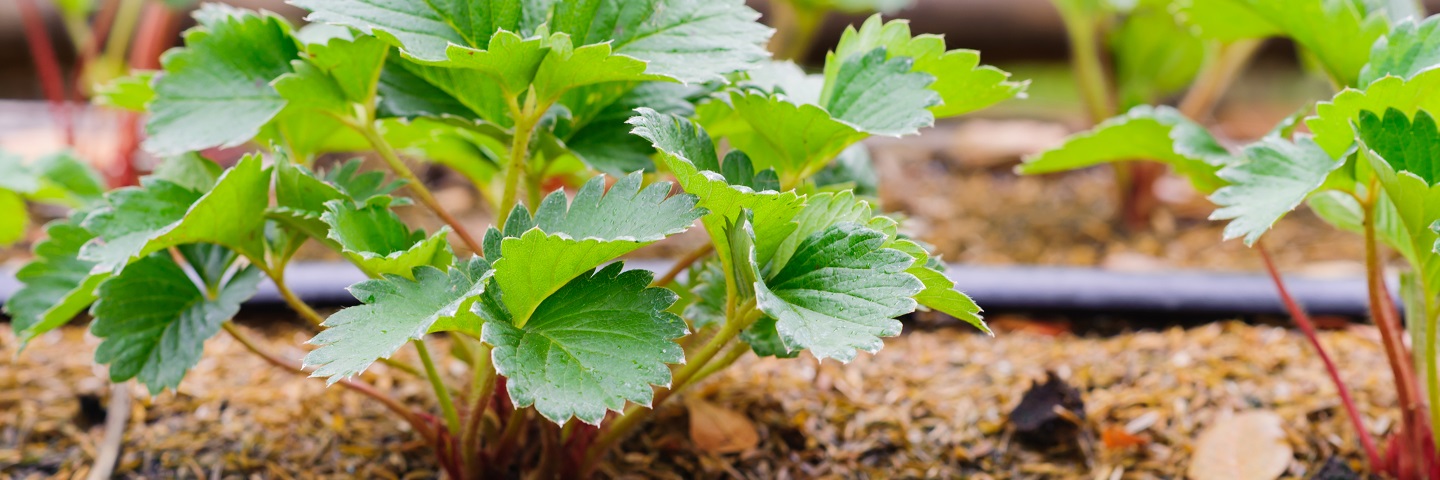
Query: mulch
x=933, y=403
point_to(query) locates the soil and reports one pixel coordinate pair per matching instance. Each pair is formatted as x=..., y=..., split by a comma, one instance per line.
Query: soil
x=933, y=403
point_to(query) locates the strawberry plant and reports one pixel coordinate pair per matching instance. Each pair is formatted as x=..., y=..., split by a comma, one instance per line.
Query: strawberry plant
x=565, y=346
x=1157, y=48
x=1366, y=164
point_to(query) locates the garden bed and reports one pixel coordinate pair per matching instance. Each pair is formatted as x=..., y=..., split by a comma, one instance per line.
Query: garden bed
x=934, y=403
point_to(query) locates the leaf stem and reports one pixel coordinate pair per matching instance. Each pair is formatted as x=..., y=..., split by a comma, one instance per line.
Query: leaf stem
x=510, y=438
x=1216, y=78
x=525, y=121
x=442, y=393
x=387, y=153
x=1302, y=320
x=482, y=389
x=1382, y=310
x=47, y=66
x=394, y=405
x=683, y=264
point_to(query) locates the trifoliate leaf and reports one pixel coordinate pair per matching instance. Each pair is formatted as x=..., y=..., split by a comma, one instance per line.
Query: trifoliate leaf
x=840, y=292
x=596, y=227
x=1144, y=133
x=394, y=310
x=154, y=320
x=691, y=41
x=137, y=221
x=601, y=340
x=374, y=238
x=689, y=153
x=1408, y=49
x=963, y=84
x=1333, y=120
x=1408, y=146
x=216, y=90
x=1272, y=179
x=57, y=285
x=131, y=92
x=1338, y=33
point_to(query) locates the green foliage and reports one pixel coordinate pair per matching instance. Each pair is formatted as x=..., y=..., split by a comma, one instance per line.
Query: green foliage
x=599, y=341
x=58, y=179
x=1409, y=48
x=216, y=90
x=394, y=310
x=1337, y=33
x=1144, y=133
x=154, y=320
x=1272, y=179
x=57, y=284
x=376, y=240
x=1333, y=121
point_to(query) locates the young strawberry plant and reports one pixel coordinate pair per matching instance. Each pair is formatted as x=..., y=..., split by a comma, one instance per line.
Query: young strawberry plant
x=1157, y=48
x=567, y=349
x=1365, y=165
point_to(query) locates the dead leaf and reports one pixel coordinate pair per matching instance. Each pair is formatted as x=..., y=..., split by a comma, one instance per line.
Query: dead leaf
x=1247, y=446
x=717, y=429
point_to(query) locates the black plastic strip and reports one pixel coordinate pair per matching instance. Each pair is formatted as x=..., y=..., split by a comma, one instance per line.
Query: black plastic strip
x=997, y=289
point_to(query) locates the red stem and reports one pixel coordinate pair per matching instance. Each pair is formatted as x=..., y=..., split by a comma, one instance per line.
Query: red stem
x=157, y=26
x=47, y=66
x=1387, y=320
x=1302, y=320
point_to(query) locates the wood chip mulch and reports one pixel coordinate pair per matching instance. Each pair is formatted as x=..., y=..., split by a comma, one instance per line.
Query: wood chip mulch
x=931, y=404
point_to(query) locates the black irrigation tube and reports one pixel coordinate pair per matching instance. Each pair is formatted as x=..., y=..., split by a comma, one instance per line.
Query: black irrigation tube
x=997, y=289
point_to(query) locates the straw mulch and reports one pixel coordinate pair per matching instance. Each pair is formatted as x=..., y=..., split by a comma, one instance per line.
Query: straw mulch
x=931, y=404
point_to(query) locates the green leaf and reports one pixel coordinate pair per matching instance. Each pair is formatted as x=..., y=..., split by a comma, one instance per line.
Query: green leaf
x=707, y=282
x=57, y=284
x=691, y=41
x=601, y=340
x=689, y=153
x=821, y=211
x=131, y=92
x=216, y=90
x=963, y=84
x=596, y=227
x=602, y=139
x=59, y=179
x=1144, y=133
x=1405, y=221
x=796, y=140
x=1333, y=120
x=374, y=238
x=15, y=219
x=394, y=310
x=840, y=292
x=1408, y=49
x=940, y=294
x=154, y=320
x=1408, y=146
x=1339, y=33
x=190, y=171
x=137, y=221
x=406, y=93
x=1274, y=177
x=423, y=30
x=880, y=94
x=1154, y=55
